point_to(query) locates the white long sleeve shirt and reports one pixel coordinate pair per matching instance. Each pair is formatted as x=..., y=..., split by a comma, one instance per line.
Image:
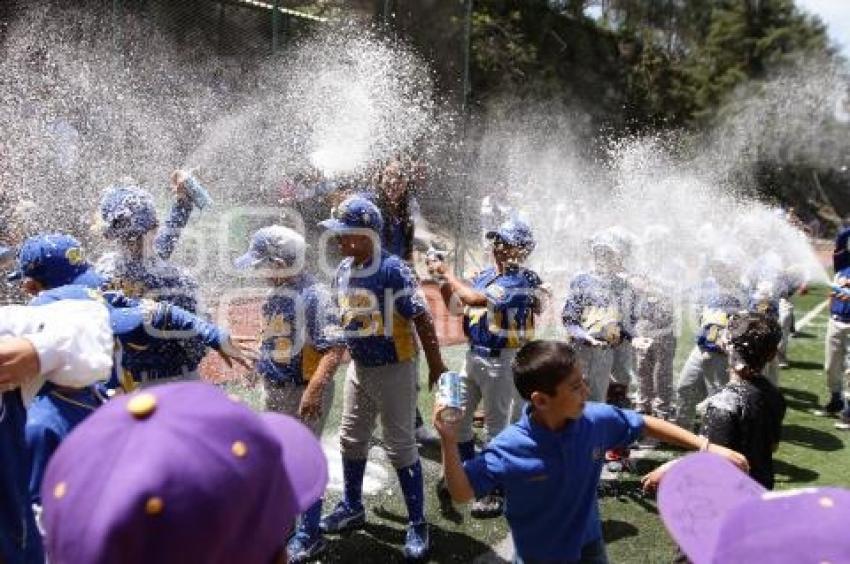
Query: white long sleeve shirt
x=73, y=340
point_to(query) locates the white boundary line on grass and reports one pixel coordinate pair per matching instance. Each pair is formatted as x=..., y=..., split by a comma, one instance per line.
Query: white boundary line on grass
x=814, y=312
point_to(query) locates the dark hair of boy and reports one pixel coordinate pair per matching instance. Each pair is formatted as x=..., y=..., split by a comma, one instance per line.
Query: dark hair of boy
x=540, y=366
x=754, y=339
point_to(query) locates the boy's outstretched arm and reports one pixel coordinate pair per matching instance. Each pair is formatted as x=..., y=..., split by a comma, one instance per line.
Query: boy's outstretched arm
x=673, y=434
x=456, y=480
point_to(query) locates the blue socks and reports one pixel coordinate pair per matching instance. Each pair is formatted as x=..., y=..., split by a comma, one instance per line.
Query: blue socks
x=467, y=450
x=310, y=520
x=413, y=489
x=353, y=472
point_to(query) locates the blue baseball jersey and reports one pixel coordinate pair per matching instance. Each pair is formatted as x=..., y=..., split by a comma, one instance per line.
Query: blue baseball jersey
x=507, y=321
x=146, y=332
x=376, y=309
x=156, y=279
x=839, y=296
x=20, y=541
x=656, y=308
x=841, y=254
x=162, y=282
x=51, y=416
x=714, y=305
x=602, y=307
x=299, y=325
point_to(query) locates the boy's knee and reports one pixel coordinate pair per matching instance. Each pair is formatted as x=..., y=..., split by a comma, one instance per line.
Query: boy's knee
x=353, y=448
x=402, y=456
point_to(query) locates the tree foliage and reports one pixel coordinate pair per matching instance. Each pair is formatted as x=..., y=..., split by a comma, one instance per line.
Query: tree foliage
x=649, y=63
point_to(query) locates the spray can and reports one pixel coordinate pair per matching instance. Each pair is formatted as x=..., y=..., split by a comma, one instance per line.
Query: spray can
x=199, y=195
x=450, y=396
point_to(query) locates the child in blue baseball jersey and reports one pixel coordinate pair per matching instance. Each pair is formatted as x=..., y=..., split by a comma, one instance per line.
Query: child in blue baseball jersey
x=300, y=351
x=380, y=308
x=837, y=337
x=500, y=306
x=53, y=268
x=140, y=268
x=600, y=315
x=67, y=344
x=549, y=462
x=706, y=368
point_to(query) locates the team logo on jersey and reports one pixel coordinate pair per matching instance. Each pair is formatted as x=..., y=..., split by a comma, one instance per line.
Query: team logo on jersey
x=75, y=255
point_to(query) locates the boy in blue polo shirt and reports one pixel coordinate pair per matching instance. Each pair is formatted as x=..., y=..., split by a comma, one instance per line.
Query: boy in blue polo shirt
x=549, y=463
x=380, y=308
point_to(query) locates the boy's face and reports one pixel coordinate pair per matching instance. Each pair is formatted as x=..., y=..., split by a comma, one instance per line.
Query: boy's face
x=569, y=399
x=506, y=254
x=354, y=245
x=606, y=260
x=31, y=286
x=279, y=272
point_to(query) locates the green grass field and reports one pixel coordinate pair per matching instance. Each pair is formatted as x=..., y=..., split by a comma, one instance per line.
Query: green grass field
x=809, y=455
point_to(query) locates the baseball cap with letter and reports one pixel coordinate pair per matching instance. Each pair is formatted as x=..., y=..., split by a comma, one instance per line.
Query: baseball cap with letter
x=718, y=514
x=179, y=473
x=273, y=243
x=54, y=260
x=355, y=212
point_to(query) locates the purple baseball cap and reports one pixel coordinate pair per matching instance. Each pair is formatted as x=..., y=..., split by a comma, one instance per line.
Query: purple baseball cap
x=716, y=513
x=179, y=473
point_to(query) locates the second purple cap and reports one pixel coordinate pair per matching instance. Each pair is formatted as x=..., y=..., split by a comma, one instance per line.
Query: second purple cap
x=718, y=514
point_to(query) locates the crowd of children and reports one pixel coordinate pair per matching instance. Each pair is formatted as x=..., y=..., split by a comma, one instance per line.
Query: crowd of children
x=132, y=402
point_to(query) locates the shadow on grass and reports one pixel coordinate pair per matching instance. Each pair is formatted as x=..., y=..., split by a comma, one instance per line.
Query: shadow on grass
x=805, y=365
x=804, y=335
x=385, y=544
x=447, y=508
x=808, y=437
x=432, y=452
x=787, y=473
x=613, y=530
x=800, y=400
